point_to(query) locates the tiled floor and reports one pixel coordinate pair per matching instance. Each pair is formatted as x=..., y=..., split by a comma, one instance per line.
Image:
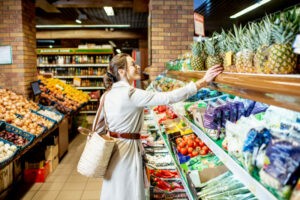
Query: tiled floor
x=64, y=183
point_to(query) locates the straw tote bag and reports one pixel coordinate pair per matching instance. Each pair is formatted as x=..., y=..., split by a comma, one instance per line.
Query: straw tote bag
x=97, y=151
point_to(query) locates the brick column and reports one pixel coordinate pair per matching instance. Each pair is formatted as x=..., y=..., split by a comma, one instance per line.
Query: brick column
x=17, y=29
x=171, y=31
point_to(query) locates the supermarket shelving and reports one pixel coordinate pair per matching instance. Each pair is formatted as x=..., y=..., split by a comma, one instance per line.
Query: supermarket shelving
x=253, y=185
x=177, y=165
x=279, y=90
x=88, y=111
x=79, y=76
x=72, y=65
x=90, y=88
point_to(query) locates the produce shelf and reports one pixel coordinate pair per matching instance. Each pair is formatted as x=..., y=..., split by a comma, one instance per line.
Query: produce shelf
x=279, y=90
x=73, y=65
x=79, y=76
x=252, y=184
x=89, y=111
x=177, y=165
x=35, y=141
x=90, y=88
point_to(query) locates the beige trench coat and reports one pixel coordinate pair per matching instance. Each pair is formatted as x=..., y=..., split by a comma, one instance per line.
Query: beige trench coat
x=124, y=113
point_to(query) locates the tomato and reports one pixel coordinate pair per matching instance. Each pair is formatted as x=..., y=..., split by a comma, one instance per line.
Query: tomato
x=183, y=144
x=193, y=136
x=190, y=155
x=203, y=152
x=190, y=149
x=185, y=138
x=197, y=140
x=198, y=149
x=178, y=148
x=195, y=153
x=183, y=151
x=190, y=143
x=179, y=140
x=205, y=148
x=201, y=144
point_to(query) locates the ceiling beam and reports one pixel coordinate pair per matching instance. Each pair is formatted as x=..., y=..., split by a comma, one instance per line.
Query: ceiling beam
x=92, y=3
x=43, y=4
x=140, y=5
x=91, y=34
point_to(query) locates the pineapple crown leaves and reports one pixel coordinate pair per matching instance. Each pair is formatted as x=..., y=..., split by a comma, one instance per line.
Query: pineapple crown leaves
x=265, y=36
x=211, y=45
x=198, y=46
x=286, y=26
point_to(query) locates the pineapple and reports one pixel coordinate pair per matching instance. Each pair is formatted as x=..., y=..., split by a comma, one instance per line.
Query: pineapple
x=212, y=51
x=264, y=41
x=248, y=45
x=198, y=55
x=281, y=59
x=227, y=48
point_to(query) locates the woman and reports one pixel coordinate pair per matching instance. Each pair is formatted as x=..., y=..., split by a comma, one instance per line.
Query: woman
x=123, y=108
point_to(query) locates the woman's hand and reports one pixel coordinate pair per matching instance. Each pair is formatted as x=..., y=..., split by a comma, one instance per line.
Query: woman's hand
x=209, y=76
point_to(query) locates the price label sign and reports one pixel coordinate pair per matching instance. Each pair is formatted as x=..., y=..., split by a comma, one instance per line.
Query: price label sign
x=199, y=24
x=35, y=88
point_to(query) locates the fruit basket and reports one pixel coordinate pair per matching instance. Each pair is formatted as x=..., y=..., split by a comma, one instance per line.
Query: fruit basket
x=7, y=152
x=18, y=137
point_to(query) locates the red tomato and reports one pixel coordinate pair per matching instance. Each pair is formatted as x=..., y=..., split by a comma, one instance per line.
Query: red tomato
x=190, y=155
x=178, y=148
x=185, y=138
x=195, y=153
x=197, y=140
x=198, y=149
x=203, y=152
x=190, y=143
x=205, y=148
x=183, y=151
x=193, y=136
x=201, y=144
x=190, y=149
x=179, y=140
x=183, y=144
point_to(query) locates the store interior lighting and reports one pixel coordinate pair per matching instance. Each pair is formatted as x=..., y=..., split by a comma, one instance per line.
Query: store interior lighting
x=109, y=10
x=118, y=50
x=78, y=21
x=250, y=8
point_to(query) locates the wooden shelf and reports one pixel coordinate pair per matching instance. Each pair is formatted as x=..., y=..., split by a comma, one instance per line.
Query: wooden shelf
x=73, y=65
x=73, y=51
x=278, y=90
x=79, y=76
x=90, y=88
x=88, y=111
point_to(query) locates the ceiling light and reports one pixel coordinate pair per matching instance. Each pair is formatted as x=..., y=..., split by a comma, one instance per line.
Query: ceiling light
x=50, y=46
x=118, y=50
x=78, y=21
x=250, y=8
x=112, y=43
x=109, y=10
x=84, y=26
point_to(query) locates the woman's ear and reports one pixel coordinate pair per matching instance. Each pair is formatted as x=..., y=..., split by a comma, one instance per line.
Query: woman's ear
x=122, y=73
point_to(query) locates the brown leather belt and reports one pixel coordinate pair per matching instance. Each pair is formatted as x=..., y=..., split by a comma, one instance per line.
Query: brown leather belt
x=132, y=136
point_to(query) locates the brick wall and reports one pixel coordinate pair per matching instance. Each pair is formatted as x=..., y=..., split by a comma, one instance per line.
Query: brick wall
x=171, y=31
x=17, y=29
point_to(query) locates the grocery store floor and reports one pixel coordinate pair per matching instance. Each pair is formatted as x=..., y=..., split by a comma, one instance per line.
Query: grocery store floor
x=64, y=183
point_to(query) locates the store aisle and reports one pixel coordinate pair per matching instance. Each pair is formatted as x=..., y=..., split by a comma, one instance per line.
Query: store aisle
x=64, y=183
